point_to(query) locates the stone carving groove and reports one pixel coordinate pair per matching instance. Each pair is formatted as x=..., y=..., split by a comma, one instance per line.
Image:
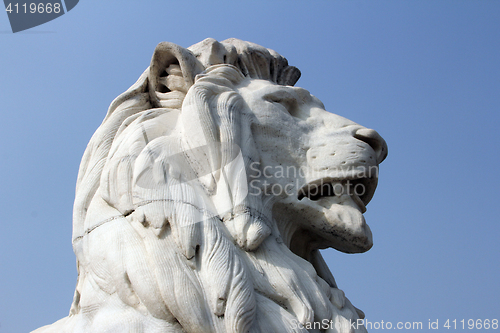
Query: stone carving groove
x=205, y=195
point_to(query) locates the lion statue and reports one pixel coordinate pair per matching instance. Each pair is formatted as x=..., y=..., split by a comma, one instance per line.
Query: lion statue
x=204, y=197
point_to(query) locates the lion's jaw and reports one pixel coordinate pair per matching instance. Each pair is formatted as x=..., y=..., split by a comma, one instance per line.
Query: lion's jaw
x=320, y=168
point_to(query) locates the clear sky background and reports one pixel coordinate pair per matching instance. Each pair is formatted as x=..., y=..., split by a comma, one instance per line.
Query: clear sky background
x=424, y=74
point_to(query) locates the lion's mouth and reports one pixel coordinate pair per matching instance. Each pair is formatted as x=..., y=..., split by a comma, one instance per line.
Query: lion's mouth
x=361, y=190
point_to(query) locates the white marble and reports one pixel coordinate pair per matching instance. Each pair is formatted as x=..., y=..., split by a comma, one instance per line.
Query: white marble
x=203, y=199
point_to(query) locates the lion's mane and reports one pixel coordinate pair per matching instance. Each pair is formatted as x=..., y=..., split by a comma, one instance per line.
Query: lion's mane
x=149, y=251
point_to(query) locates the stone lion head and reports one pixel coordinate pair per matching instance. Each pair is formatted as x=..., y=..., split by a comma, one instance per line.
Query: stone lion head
x=204, y=197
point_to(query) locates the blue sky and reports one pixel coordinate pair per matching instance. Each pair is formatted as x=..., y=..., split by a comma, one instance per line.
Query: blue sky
x=424, y=74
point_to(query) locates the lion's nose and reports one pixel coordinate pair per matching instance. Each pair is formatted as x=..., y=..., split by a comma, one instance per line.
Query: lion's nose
x=374, y=140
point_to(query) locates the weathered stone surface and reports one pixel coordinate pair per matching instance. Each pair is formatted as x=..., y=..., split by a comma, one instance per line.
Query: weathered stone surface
x=204, y=197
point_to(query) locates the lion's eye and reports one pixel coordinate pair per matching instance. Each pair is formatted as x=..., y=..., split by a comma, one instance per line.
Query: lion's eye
x=284, y=98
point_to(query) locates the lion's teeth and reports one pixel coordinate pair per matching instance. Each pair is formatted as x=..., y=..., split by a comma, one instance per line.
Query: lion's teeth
x=337, y=188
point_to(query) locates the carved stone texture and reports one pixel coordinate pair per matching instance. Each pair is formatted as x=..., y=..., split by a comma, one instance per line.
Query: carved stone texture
x=204, y=197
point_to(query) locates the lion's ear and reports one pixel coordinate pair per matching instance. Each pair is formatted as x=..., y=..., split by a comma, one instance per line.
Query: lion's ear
x=171, y=73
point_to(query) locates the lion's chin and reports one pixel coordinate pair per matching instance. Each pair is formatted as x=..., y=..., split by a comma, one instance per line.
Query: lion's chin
x=348, y=229
x=333, y=221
